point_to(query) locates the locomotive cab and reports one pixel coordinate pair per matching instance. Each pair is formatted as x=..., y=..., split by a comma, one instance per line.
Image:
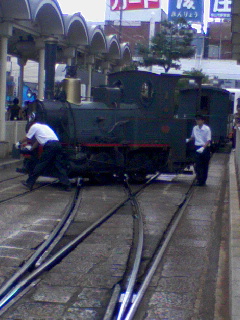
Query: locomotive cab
x=214, y=103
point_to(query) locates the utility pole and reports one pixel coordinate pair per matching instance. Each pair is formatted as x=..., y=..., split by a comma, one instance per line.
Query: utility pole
x=120, y=22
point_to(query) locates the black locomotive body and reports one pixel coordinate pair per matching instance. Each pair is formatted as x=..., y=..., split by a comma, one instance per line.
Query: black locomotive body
x=132, y=126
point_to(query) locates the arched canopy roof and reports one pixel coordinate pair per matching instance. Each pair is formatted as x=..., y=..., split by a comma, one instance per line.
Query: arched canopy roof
x=126, y=56
x=113, y=47
x=15, y=9
x=98, y=42
x=76, y=30
x=48, y=17
x=33, y=21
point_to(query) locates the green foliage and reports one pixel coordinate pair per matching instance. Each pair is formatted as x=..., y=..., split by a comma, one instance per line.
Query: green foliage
x=196, y=72
x=132, y=66
x=169, y=45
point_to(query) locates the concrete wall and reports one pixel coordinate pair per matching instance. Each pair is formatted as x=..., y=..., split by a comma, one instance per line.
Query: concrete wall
x=237, y=154
x=15, y=130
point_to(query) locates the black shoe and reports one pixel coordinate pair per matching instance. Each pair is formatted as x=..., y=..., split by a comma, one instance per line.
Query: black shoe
x=21, y=170
x=27, y=185
x=67, y=188
x=199, y=184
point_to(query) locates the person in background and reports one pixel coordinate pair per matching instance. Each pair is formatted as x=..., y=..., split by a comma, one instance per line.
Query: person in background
x=15, y=110
x=25, y=109
x=236, y=124
x=51, y=155
x=201, y=134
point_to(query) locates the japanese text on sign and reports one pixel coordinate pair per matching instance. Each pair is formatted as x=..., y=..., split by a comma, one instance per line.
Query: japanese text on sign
x=134, y=4
x=220, y=8
x=184, y=14
x=189, y=4
x=222, y=5
x=190, y=10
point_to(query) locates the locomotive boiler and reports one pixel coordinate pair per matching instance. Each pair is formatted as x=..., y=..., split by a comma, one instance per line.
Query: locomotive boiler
x=130, y=126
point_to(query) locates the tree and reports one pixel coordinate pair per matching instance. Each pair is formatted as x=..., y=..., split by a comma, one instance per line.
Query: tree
x=196, y=72
x=132, y=66
x=169, y=45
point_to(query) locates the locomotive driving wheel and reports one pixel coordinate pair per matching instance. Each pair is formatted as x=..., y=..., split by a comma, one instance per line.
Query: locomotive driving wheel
x=137, y=177
x=102, y=165
x=137, y=167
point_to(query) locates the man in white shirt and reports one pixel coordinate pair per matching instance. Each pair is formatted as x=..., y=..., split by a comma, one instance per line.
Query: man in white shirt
x=51, y=154
x=201, y=134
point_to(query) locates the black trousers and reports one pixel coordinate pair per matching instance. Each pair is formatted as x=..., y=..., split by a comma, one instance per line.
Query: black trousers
x=202, y=164
x=51, y=156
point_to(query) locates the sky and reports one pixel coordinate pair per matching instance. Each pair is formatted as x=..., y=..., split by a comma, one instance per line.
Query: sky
x=94, y=10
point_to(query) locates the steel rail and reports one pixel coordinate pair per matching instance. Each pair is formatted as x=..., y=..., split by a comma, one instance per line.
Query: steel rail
x=130, y=314
x=12, y=178
x=128, y=292
x=10, y=294
x=58, y=256
x=138, y=256
x=69, y=214
x=27, y=192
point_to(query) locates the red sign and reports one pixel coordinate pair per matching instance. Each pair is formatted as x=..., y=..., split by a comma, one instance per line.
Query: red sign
x=134, y=4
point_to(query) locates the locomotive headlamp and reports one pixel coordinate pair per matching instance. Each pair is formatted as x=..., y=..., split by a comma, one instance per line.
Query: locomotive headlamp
x=32, y=117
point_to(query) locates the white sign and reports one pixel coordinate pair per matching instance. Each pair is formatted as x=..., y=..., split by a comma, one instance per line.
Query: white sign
x=133, y=10
x=134, y=4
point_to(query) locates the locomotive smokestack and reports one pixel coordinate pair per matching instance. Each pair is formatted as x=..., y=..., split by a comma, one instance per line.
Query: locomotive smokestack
x=50, y=61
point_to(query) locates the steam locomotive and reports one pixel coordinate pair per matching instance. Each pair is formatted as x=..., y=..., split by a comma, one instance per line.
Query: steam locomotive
x=137, y=124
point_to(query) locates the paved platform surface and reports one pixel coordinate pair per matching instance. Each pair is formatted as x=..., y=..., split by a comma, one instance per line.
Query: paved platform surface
x=191, y=282
x=234, y=242
x=10, y=163
x=232, y=255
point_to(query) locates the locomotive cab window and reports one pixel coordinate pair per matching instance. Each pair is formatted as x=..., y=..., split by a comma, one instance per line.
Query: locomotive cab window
x=146, y=93
x=119, y=84
x=205, y=105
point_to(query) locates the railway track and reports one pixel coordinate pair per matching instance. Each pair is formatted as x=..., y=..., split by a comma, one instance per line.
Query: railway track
x=11, y=178
x=37, y=264
x=22, y=281
x=10, y=183
x=18, y=194
x=127, y=298
x=11, y=287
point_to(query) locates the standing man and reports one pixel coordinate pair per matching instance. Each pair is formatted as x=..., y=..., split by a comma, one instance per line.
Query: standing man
x=51, y=155
x=201, y=134
x=236, y=124
x=15, y=110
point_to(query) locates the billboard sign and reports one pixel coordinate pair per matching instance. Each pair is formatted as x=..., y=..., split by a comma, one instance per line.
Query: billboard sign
x=116, y=5
x=190, y=10
x=220, y=8
x=133, y=10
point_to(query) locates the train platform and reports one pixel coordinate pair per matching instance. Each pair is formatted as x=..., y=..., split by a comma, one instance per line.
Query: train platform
x=10, y=163
x=228, y=279
x=234, y=241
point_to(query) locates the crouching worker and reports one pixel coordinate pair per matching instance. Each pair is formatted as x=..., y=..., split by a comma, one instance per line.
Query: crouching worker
x=51, y=155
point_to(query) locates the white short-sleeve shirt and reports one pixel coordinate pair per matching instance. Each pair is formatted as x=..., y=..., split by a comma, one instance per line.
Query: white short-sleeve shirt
x=201, y=135
x=42, y=132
